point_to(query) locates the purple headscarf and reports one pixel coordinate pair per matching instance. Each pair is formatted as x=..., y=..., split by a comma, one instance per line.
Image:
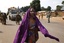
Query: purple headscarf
x=22, y=30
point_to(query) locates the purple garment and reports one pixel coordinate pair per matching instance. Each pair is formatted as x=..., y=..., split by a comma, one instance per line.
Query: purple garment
x=22, y=30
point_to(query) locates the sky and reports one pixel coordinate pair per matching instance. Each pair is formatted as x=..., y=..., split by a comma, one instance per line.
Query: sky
x=5, y=4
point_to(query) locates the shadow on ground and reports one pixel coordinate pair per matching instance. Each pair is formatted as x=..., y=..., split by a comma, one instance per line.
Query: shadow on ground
x=1, y=32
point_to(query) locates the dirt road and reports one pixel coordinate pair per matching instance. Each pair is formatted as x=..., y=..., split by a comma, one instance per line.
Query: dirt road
x=55, y=28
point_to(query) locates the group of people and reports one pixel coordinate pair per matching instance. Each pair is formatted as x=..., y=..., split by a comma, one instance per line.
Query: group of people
x=29, y=27
x=47, y=14
x=3, y=18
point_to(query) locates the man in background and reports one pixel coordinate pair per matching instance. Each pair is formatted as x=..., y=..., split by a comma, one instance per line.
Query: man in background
x=18, y=19
x=48, y=16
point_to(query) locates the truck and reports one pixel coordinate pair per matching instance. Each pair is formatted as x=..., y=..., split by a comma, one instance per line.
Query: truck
x=12, y=12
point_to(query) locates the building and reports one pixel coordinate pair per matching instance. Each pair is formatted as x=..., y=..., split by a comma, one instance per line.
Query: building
x=53, y=13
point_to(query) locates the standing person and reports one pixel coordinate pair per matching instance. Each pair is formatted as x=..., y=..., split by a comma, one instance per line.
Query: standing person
x=48, y=16
x=3, y=18
x=41, y=15
x=18, y=18
x=28, y=30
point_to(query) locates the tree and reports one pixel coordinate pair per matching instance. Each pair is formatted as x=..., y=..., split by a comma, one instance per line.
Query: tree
x=36, y=5
x=58, y=7
x=62, y=2
x=49, y=8
x=25, y=8
x=43, y=8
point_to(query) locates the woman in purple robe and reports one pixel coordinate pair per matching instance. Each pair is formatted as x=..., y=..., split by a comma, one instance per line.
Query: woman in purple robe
x=28, y=30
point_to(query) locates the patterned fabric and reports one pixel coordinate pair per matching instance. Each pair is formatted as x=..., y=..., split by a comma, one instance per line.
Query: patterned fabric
x=32, y=35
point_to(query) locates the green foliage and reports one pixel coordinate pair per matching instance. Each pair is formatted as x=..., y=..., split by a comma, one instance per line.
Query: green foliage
x=58, y=7
x=49, y=8
x=62, y=2
x=42, y=8
x=46, y=9
x=25, y=8
x=36, y=5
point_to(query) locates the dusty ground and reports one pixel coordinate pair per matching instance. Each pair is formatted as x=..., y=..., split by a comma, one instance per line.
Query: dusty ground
x=55, y=28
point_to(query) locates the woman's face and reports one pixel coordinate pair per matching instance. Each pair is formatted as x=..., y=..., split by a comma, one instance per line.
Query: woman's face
x=32, y=12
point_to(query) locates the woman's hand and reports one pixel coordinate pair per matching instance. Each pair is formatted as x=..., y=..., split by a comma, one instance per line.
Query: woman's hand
x=52, y=37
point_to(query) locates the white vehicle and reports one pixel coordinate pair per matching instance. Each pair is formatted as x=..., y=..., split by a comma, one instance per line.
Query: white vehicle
x=12, y=12
x=12, y=15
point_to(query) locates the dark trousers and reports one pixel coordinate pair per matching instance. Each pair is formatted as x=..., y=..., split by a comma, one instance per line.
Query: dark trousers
x=48, y=19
